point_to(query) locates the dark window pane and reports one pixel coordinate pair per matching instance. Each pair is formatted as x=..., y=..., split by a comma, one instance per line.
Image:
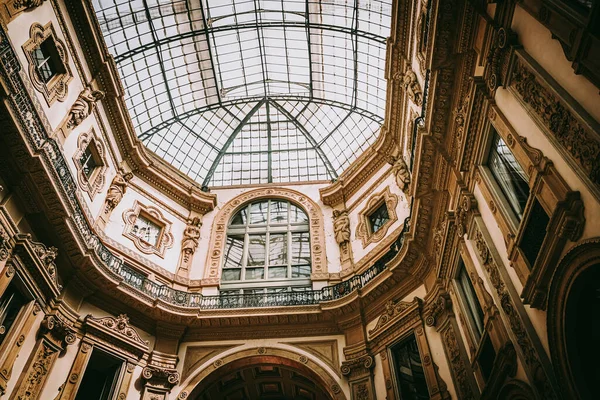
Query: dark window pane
x=379, y=217
x=11, y=303
x=300, y=248
x=279, y=212
x=241, y=217
x=47, y=60
x=509, y=175
x=486, y=358
x=256, y=250
x=535, y=232
x=100, y=377
x=278, y=249
x=410, y=376
x=469, y=298
x=88, y=161
x=258, y=213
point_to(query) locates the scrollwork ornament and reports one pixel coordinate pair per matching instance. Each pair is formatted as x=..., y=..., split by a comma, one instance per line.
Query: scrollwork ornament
x=83, y=106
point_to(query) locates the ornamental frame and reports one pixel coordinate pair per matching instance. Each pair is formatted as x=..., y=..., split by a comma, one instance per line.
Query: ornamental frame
x=94, y=184
x=218, y=237
x=165, y=239
x=57, y=87
x=363, y=230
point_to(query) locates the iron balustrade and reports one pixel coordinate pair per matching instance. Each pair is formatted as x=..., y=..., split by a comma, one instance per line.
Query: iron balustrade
x=36, y=129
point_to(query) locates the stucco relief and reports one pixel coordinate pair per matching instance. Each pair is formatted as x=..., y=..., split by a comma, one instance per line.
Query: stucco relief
x=363, y=230
x=93, y=183
x=165, y=237
x=218, y=237
x=57, y=87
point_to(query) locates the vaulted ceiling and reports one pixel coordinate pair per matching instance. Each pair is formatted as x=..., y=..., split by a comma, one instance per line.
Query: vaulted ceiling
x=252, y=91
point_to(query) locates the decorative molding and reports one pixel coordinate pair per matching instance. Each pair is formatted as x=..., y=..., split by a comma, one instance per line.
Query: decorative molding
x=94, y=184
x=341, y=231
x=408, y=80
x=531, y=358
x=325, y=350
x=578, y=141
x=10, y=9
x=357, y=366
x=363, y=230
x=83, y=107
x=401, y=173
x=219, y=232
x=189, y=244
x=165, y=237
x=195, y=356
x=115, y=194
x=57, y=87
x=117, y=327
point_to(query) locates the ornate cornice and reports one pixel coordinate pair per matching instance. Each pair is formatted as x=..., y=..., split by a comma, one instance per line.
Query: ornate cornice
x=116, y=330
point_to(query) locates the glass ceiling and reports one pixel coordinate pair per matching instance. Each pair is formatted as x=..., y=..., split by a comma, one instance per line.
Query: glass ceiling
x=252, y=91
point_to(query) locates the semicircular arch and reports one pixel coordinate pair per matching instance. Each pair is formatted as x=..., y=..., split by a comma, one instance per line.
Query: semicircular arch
x=577, y=262
x=212, y=274
x=264, y=355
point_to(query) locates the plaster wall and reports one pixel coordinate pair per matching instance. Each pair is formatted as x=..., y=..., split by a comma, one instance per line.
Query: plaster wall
x=538, y=42
x=18, y=31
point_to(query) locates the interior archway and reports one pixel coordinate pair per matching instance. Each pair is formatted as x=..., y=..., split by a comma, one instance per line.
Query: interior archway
x=261, y=377
x=573, y=326
x=262, y=373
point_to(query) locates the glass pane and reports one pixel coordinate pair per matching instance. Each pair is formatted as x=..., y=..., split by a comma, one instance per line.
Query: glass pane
x=233, y=251
x=471, y=302
x=255, y=273
x=256, y=250
x=146, y=230
x=509, y=175
x=379, y=217
x=277, y=272
x=241, y=217
x=410, y=376
x=300, y=248
x=297, y=214
x=258, y=213
x=279, y=212
x=231, y=274
x=301, y=271
x=278, y=249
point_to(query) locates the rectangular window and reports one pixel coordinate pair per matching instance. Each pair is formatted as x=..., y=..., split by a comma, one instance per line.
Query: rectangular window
x=535, y=232
x=89, y=160
x=11, y=302
x=101, y=376
x=47, y=60
x=470, y=303
x=379, y=217
x=509, y=175
x=408, y=369
x=146, y=229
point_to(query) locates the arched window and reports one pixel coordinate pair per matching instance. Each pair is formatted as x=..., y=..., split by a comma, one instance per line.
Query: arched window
x=267, y=249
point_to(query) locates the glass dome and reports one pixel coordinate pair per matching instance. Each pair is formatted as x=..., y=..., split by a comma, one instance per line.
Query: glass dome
x=242, y=92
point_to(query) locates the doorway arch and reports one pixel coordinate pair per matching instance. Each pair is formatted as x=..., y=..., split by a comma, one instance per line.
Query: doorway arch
x=573, y=323
x=308, y=374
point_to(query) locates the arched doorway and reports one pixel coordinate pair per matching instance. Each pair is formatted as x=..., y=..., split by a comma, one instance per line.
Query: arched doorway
x=263, y=373
x=574, y=321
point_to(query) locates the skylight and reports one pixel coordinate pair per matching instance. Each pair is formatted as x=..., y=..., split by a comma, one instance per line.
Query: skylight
x=240, y=92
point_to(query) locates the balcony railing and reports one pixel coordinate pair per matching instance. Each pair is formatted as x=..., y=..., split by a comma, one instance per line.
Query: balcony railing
x=37, y=136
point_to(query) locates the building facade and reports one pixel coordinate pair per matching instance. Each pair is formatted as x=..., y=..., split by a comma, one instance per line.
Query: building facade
x=456, y=257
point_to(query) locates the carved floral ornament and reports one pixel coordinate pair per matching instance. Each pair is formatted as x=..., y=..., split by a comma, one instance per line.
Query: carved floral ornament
x=57, y=87
x=219, y=231
x=164, y=239
x=363, y=230
x=93, y=184
x=119, y=325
